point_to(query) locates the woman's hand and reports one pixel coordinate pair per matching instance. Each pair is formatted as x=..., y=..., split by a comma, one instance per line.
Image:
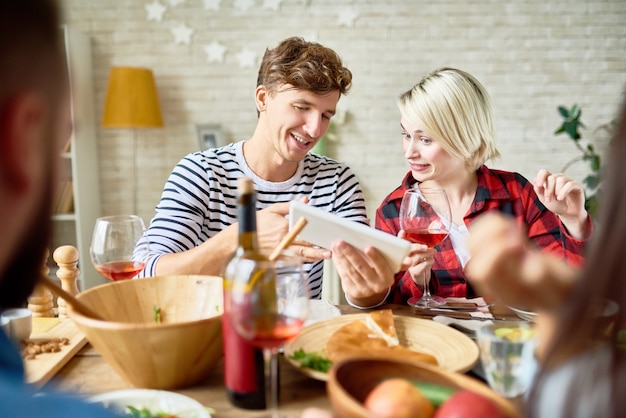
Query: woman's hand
x=419, y=262
x=566, y=198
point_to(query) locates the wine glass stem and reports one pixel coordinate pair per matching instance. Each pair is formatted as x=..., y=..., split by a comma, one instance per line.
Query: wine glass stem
x=271, y=380
x=426, y=291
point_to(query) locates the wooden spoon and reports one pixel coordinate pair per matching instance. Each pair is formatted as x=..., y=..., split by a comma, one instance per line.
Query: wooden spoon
x=78, y=306
x=284, y=243
x=287, y=239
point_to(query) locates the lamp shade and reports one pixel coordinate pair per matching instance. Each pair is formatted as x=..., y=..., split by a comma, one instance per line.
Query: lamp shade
x=132, y=100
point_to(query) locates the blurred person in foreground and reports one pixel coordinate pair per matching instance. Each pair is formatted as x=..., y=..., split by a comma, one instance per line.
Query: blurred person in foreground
x=448, y=134
x=34, y=124
x=582, y=355
x=195, y=227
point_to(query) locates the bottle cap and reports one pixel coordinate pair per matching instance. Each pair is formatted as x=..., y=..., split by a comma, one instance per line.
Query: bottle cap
x=245, y=186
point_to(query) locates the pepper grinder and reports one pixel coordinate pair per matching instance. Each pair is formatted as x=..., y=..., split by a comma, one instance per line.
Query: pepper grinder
x=66, y=257
x=40, y=302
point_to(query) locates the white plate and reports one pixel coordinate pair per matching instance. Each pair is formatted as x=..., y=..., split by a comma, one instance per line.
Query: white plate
x=155, y=400
x=525, y=315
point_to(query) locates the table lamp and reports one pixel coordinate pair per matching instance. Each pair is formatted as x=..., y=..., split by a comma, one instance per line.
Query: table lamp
x=132, y=102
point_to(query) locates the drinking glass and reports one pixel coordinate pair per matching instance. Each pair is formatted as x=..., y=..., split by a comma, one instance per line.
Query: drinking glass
x=119, y=246
x=268, y=303
x=425, y=218
x=507, y=356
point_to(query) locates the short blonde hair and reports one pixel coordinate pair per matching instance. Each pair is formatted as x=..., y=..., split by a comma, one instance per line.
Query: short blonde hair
x=453, y=108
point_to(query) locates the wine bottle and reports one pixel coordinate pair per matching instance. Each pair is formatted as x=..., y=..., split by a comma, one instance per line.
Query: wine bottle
x=243, y=364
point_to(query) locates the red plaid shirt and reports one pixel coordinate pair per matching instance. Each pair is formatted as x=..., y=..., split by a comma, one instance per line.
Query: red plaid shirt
x=507, y=192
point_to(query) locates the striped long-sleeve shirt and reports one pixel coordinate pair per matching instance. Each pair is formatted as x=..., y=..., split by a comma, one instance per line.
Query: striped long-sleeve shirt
x=200, y=199
x=503, y=191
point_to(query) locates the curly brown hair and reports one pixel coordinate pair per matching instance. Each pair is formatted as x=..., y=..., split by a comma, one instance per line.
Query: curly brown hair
x=303, y=65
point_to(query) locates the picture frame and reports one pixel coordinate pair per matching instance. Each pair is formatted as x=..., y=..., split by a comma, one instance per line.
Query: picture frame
x=210, y=136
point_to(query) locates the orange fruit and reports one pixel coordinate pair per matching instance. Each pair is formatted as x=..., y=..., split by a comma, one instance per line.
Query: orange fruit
x=398, y=398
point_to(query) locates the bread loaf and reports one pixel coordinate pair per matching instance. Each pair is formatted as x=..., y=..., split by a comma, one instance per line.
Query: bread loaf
x=374, y=337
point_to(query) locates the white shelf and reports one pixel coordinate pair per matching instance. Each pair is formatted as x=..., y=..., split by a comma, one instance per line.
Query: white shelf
x=64, y=217
x=82, y=159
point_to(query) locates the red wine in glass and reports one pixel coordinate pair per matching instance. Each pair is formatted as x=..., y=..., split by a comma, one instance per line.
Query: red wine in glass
x=120, y=270
x=271, y=331
x=267, y=303
x=430, y=237
x=425, y=218
x=119, y=248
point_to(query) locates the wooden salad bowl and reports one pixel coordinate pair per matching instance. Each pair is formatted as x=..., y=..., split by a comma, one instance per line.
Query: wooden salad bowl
x=350, y=381
x=161, y=332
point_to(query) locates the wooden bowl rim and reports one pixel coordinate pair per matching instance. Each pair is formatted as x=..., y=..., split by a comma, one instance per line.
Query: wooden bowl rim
x=456, y=380
x=136, y=326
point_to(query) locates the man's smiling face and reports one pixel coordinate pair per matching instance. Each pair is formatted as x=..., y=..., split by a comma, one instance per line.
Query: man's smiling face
x=297, y=119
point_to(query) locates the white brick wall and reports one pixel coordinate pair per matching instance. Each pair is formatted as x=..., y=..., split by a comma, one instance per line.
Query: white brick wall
x=532, y=55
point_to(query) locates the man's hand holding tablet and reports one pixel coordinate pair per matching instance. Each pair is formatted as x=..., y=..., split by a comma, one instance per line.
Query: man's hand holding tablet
x=324, y=228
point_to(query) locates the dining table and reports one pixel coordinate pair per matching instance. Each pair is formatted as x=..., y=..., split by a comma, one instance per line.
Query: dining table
x=87, y=374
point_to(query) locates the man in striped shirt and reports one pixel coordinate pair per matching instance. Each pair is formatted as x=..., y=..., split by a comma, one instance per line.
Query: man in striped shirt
x=195, y=228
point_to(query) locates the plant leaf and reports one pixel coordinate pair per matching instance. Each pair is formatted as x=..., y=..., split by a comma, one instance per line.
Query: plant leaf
x=595, y=163
x=591, y=181
x=591, y=204
x=564, y=112
x=572, y=130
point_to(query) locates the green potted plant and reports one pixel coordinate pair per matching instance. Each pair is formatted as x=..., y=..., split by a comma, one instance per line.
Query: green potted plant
x=571, y=126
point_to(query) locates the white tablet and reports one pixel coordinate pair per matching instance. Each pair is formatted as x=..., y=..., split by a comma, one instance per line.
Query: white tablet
x=324, y=228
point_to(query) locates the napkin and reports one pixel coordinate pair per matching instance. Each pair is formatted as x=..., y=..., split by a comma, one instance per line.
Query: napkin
x=482, y=307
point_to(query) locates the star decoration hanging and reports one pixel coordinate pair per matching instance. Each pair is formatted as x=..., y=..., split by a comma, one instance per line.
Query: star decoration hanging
x=175, y=3
x=244, y=5
x=246, y=58
x=347, y=17
x=272, y=4
x=211, y=4
x=155, y=11
x=215, y=52
x=182, y=34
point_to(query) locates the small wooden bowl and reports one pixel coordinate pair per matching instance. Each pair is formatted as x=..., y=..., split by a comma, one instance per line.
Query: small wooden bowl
x=350, y=381
x=180, y=350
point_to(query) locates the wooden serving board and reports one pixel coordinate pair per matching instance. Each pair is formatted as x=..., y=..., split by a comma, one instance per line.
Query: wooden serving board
x=44, y=366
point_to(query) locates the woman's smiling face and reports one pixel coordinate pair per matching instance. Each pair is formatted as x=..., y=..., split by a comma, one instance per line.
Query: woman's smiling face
x=426, y=157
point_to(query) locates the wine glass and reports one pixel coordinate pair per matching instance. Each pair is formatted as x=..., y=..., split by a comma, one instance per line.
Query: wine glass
x=119, y=246
x=425, y=218
x=267, y=303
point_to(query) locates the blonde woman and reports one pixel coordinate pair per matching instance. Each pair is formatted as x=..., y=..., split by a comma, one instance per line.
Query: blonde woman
x=448, y=134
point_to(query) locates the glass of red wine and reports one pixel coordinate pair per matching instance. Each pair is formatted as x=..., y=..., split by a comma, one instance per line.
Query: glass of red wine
x=119, y=246
x=268, y=303
x=425, y=218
